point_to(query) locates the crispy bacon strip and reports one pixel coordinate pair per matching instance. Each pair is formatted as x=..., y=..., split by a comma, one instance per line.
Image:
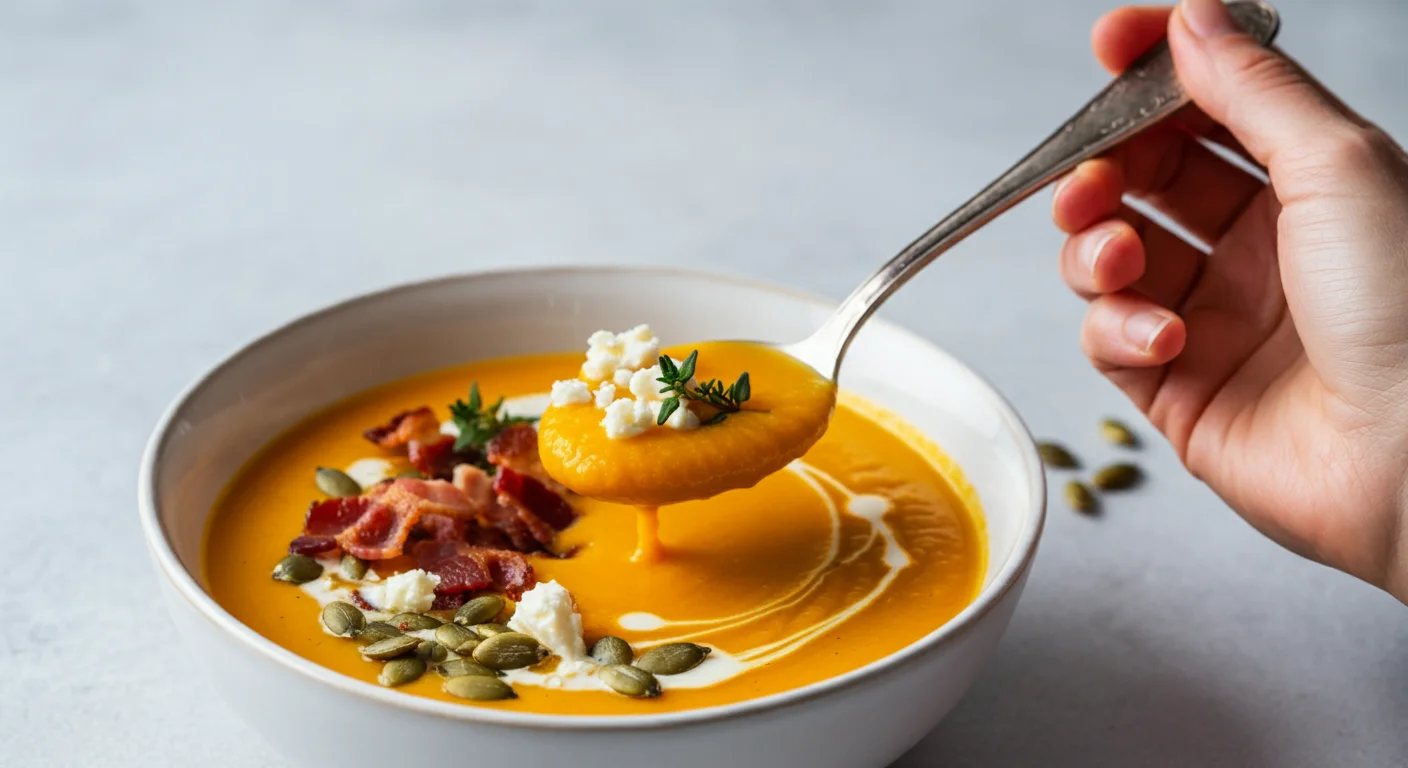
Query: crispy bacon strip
x=476, y=484
x=419, y=425
x=381, y=533
x=466, y=568
x=312, y=545
x=436, y=458
x=516, y=447
x=536, y=497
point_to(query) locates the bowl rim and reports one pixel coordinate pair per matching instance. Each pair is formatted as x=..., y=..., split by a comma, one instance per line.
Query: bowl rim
x=185, y=586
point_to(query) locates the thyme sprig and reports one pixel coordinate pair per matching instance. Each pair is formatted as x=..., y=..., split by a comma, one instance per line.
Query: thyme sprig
x=676, y=378
x=478, y=424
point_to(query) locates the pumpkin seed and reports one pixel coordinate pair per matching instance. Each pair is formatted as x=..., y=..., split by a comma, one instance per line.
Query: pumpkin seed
x=672, y=658
x=479, y=610
x=298, y=569
x=336, y=483
x=612, y=650
x=343, y=619
x=479, y=688
x=463, y=667
x=401, y=671
x=630, y=681
x=411, y=622
x=1115, y=432
x=1117, y=477
x=353, y=567
x=1080, y=498
x=432, y=651
x=509, y=650
x=390, y=648
x=1056, y=456
x=378, y=630
x=489, y=630
x=455, y=637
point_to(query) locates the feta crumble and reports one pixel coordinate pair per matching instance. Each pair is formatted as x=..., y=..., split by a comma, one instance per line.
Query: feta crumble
x=547, y=613
x=605, y=395
x=409, y=592
x=570, y=392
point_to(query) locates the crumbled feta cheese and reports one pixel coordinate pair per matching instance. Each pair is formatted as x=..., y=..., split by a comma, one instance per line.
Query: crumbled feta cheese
x=546, y=612
x=622, y=378
x=644, y=385
x=623, y=419
x=412, y=591
x=570, y=392
x=605, y=394
x=682, y=418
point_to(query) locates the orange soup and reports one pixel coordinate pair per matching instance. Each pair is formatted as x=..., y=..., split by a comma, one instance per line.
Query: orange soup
x=863, y=545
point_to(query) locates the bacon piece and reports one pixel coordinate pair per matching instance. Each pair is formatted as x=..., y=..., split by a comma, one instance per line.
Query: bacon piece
x=449, y=601
x=516, y=447
x=419, y=425
x=312, y=545
x=435, y=458
x=359, y=601
x=466, y=568
x=438, y=527
x=330, y=517
x=437, y=497
x=381, y=532
x=535, y=496
x=476, y=484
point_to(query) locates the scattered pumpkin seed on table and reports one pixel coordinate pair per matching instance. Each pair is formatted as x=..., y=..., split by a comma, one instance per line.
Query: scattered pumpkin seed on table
x=336, y=483
x=401, y=671
x=509, y=650
x=391, y=647
x=411, y=622
x=1056, y=456
x=629, y=681
x=1079, y=497
x=480, y=610
x=479, y=688
x=672, y=658
x=612, y=650
x=1117, y=477
x=298, y=569
x=343, y=619
x=464, y=668
x=353, y=567
x=1115, y=432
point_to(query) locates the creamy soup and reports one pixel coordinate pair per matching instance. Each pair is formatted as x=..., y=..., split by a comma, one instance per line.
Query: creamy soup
x=811, y=567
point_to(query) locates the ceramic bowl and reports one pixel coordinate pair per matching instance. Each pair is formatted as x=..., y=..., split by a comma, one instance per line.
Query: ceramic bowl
x=867, y=717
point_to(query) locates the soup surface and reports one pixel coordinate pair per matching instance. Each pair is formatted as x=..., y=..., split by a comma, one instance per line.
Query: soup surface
x=866, y=544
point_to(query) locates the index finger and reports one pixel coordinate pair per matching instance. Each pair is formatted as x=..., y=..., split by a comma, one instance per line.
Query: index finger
x=1124, y=34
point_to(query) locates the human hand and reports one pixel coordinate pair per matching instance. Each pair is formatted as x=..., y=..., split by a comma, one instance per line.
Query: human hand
x=1277, y=364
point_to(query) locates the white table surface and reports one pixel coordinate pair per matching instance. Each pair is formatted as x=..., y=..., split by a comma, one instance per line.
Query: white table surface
x=178, y=177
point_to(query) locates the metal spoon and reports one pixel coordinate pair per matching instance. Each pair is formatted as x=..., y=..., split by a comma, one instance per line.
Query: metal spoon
x=1143, y=95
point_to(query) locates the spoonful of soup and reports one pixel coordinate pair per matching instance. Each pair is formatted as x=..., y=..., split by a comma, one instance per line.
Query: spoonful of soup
x=649, y=427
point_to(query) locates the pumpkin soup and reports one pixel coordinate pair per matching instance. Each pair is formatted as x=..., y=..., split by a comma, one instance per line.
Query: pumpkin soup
x=447, y=559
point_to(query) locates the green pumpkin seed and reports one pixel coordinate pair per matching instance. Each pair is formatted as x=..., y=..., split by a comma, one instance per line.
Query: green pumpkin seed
x=612, y=650
x=672, y=658
x=412, y=622
x=343, y=619
x=336, y=483
x=353, y=567
x=298, y=569
x=378, y=630
x=391, y=647
x=629, y=681
x=1117, y=477
x=509, y=650
x=432, y=651
x=1080, y=498
x=401, y=671
x=489, y=630
x=455, y=637
x=1056, y=456
x=480, y=610
x=1117, y=433
x=464, y=667
x=479, y=688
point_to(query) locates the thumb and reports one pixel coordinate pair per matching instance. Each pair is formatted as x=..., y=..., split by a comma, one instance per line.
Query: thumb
x=1265, y=100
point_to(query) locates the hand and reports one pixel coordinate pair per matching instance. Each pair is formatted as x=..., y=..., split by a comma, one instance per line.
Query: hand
x=1277, y=364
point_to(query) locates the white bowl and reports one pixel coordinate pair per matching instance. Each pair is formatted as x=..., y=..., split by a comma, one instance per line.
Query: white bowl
x=867, y=717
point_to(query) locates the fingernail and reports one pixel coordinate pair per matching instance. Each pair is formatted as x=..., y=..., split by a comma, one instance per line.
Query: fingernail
x=1094, y=249
x=1208, y=18
x=1141, y=329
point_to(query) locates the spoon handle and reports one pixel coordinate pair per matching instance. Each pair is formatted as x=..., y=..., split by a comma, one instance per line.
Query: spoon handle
x=1143, y=95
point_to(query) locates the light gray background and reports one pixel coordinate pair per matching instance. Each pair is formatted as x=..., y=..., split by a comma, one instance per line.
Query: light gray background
x=178, y=177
